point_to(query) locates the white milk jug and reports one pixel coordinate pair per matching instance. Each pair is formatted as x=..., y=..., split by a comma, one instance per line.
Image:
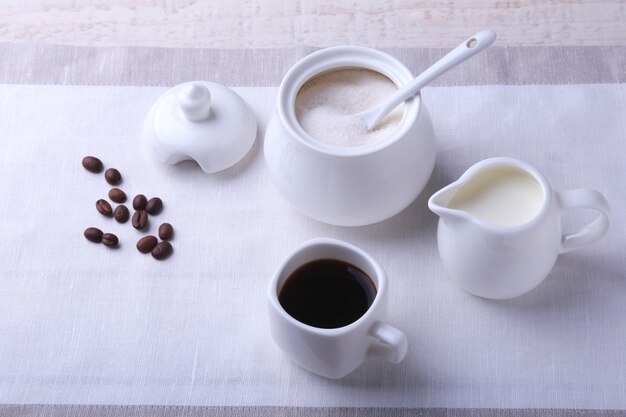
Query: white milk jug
x=499, y=230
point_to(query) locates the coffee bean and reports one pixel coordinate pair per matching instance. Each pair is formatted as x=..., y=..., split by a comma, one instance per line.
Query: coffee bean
x=117, y=195
x=104, y=207
x=92, y=164
x=147, y=243
x=154, y=206
x=139, y=202
x=162, y=250
x=109, y=239
x=93, y=234
x=112, y=176
x=140, y=220
x=121, y=214
x=166, y=231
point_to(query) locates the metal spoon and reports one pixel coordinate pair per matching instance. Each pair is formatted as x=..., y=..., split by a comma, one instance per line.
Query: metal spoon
x=464, y=51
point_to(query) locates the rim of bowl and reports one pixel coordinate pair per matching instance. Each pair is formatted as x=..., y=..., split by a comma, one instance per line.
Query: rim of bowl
x=344, y=57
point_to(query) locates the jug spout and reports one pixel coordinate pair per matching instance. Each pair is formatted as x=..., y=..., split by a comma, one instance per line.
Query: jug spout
x=439, y=203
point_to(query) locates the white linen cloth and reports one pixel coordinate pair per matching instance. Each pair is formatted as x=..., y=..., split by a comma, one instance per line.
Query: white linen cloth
x=80, y=323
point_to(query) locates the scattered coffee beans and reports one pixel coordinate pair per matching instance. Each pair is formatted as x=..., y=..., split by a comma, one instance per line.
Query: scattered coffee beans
x=109, y=239
x=162, y=251
x=104, y=207
x=117, y=195
x=93, y=234
x=92, y=164
x=146, y=244
x=143, y=207
x=166, y=231
x=112, y=176
x=154, y=206
x=121, y=214
x=139, y=202
x=140, y=220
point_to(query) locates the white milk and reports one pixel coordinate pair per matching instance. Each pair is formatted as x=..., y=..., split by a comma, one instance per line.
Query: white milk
x=502, y=196
x=326, y=106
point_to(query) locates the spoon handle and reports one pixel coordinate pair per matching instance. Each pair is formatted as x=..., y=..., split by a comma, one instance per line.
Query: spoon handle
x=465, y=50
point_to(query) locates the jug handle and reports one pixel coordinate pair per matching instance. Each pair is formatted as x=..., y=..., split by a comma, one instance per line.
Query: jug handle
x=584, y=198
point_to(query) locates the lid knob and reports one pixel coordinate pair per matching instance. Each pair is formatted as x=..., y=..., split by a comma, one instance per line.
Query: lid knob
x=195, y=102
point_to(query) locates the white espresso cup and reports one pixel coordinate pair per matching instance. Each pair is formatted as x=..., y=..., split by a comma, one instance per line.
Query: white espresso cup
x=334, y=352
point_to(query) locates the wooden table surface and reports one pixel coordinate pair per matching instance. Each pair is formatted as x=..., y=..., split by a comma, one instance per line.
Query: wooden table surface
x=284, y=23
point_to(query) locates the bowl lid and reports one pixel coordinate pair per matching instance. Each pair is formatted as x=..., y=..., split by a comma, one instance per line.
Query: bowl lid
x=200, y=120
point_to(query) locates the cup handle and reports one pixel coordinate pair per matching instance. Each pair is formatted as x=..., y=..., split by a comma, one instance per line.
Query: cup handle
x=392, y=344
x=584, y=198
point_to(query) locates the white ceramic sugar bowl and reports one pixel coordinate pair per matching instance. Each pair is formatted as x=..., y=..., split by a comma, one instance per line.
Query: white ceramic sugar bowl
x=349, y=186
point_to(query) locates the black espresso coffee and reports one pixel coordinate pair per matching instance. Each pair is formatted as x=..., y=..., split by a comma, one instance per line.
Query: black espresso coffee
x=327, y=293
